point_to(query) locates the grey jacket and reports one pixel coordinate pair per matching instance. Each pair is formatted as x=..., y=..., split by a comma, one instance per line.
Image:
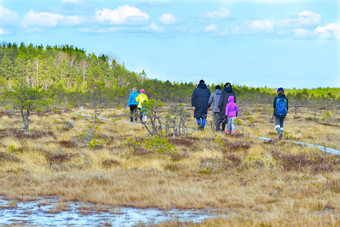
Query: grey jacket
x=214, y=100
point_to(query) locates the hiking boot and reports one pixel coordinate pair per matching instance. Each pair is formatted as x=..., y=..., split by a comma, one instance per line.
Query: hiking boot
x=201, y=128
x=232, y=132
x=227, y=131
x=280, y=136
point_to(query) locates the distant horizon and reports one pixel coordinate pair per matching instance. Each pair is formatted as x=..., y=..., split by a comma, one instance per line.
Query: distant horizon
x=256, y=43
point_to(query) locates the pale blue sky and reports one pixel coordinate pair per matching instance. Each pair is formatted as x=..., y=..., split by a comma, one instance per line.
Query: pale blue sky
x=289, y=43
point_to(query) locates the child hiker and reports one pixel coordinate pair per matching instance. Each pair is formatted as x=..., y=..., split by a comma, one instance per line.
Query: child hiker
x=231, y=111
x=280, y=110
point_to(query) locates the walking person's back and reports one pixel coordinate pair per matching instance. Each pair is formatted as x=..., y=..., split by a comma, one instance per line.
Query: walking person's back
x=214, y=101
x=226, y=93
x=280, y=106
x=132, y=103
x=199, y=101
x=231, y=112
x=142, y=98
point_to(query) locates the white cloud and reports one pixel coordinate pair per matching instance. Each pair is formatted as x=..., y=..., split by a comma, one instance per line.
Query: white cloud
x=8, y=17
x=328, y=31
x=305, y=18
x=168, y=18
x=218, y=14
x=302, y=33
x=44, y=19
x=211, y=28
x=262, y=25
x=154, y=27
x=70, y=1
x=2, y=31
x=123, y=15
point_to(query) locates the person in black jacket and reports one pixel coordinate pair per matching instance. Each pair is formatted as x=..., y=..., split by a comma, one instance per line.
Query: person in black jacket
x=199, y=102
x=227, y=91
x=280, y=106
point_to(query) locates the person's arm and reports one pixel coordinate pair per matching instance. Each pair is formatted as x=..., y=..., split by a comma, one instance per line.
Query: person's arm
x=211, y=99
x=220, y=102
x=129, y=102
x=226, y=110
x=193, y=99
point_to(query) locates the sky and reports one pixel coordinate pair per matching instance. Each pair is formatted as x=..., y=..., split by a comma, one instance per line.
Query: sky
x=258, y=43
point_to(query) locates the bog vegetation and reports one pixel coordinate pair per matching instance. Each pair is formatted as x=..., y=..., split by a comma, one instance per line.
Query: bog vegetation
x=51, y=146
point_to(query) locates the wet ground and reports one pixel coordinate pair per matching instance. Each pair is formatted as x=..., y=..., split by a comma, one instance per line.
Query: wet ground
x=51, y=212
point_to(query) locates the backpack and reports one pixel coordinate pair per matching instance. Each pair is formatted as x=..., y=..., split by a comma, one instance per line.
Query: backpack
x=280, y=107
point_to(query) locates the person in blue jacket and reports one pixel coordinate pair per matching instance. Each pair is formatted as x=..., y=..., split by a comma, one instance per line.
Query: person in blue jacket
x=132, y=103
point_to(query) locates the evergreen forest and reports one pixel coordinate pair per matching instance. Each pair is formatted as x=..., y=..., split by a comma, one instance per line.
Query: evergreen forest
x=65, y=74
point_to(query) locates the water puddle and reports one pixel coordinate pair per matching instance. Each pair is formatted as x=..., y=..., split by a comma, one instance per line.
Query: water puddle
x=49, y=211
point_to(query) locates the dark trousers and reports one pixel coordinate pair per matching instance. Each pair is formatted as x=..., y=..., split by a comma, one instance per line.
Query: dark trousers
x=140, y=115
x=216, y=120
x=133, y=112
x=223, y=121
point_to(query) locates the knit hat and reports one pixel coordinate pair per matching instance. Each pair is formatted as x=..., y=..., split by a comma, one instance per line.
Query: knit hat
x=227, y=84
x=279, y=89
x=201, y=81
x=142, y=91
x=217, y=87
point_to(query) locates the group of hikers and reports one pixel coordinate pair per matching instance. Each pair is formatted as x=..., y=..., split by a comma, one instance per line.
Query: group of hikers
x=222, y=103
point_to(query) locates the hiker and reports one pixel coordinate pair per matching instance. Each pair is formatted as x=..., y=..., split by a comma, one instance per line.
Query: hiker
x=231, y=112
x=141, y=99
x=132, y=103
x=280, y=106
x=214, y=100
x=199, y=102
x=226, y=93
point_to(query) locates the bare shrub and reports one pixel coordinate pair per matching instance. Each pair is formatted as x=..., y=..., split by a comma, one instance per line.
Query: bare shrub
x=8, y=157
x=315, y=162
x=58, y=158
x=173, y=167
x=176, y=156
x=181, y=142
x=68, y=143
x=108, y=163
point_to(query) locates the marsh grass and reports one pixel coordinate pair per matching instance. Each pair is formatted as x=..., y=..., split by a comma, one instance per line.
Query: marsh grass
x=253, y=182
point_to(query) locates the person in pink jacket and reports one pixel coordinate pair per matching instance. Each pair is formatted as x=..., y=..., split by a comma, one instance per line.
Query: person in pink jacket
x=231, y=111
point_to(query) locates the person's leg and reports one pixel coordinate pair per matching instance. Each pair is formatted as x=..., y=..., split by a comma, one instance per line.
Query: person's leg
x=217, y=120
x=135, y=112
x=131, y=113
x=140, y=115
x=228, y=125
x=232, y=120
x=281, y=125
x=198, y=121
x=203, y=123
x=224, y=122
x=278, y=126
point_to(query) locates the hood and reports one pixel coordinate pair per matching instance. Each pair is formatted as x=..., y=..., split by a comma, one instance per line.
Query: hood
x=231, y=99
x=202, y=86
x=281, y=96
x=218, y=92
x=135, y=92
x=228, y=89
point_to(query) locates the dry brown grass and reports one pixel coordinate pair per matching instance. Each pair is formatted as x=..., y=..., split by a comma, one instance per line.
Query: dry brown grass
x=253, y=182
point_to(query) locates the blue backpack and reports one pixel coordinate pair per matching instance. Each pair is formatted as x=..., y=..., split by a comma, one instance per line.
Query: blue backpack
x=281, y=107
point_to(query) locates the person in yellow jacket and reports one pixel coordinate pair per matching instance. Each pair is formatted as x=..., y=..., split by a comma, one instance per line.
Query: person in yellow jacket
x=141, y=98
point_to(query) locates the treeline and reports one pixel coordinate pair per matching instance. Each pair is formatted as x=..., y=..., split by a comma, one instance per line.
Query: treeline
x=65, y=73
